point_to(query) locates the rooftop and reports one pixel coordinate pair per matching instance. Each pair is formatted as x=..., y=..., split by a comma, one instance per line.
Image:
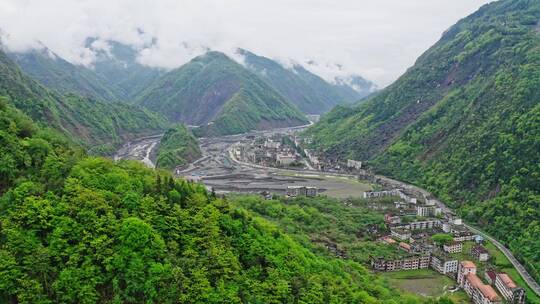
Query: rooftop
x=488, y=292
x=505, y=278
x=468, y=264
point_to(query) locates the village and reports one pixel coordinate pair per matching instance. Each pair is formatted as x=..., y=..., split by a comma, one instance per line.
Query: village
x=423, y=235
x=426, y=237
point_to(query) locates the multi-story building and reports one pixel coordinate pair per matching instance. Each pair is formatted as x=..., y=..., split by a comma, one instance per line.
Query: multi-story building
x=463, y=236
x=453, y=247
x=425, y=211
x=465, y=268
x=294, y=191
x=405, y=263
x=479, y=292
x=354, y=164
x=443, y=263
x=480, y=253
x=427, y=224
x=392, y=219
x=401, y=234
x=509, y=290
x=285, y=159
x=405, y=246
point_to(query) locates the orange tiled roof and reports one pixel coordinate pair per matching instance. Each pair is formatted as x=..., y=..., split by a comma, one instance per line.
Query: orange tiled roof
x=405, y=246
x=468, y=264
x=507, y=280
x=488, y=292
x=474, y=280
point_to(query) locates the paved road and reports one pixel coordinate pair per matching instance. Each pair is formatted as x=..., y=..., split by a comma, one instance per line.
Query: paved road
x=522, y=271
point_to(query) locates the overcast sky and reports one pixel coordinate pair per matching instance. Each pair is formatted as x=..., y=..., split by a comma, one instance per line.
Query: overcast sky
x=378, y=39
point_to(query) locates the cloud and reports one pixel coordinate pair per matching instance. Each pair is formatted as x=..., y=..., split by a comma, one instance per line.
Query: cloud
x=378, y=39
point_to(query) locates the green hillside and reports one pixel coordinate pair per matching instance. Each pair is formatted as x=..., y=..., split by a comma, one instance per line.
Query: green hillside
x=464, y=122
x=309, y=92
x=214, y=91
x=55, y=73
x=177, y=147
x=91, y=122
x=88, y=230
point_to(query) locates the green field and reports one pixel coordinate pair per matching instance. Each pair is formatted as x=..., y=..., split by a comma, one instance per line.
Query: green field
x=425, y=282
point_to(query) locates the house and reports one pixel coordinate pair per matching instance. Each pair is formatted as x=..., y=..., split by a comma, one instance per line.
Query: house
x=401, y=234
x=443, y=263
x=509, y=290
x=453, y=247
x=480, y=253
x=388, y=240
x=405, y=246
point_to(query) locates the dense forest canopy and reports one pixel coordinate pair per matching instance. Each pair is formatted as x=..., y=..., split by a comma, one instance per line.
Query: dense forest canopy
x=464, y=123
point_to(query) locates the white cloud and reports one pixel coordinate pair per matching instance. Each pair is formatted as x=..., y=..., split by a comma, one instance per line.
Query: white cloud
x=378, y=39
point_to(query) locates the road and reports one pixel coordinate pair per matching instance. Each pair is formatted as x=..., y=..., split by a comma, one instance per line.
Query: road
x=219, y=169
x=522, y=271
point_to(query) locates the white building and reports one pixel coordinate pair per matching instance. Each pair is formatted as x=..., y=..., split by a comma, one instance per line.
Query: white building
x=453, y=247
x=354, y=164
x=443, y=264
x=285, y=159
x=509, y=290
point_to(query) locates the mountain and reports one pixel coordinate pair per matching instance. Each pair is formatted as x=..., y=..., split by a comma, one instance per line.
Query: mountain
x=90, y=122
x=53, y=72
x=79, y=229
x=309, y=92
x=119, y=66
x=464, y=122
x=214, y=91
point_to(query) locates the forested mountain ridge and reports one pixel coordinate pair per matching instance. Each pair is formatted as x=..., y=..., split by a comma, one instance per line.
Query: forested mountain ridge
x=56, y=73
x=214, y=91
x=87, y=230
x=177, y=147
x=87, y=121
x=462, y=122
x=309, y=92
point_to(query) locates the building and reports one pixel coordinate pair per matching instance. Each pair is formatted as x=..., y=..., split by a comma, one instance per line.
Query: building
x=270, y=144
x=285, y=159
x=388, y=240
x=405, y=263
x=490, y=276
x=463, y=236
x=295, y=191
x=427, y=224
x=425, y=211
x=444, y=264
x=401, y=234
x=453, y=247
x=465, y=268
x=480, y=253
x=354, y=164
x=391, y=219
x=509, y=290
x=479, y=292
x=405, y=246
x=311, y=191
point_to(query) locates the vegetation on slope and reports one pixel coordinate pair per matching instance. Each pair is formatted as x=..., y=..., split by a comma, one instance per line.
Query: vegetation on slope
x=309, y=92
x=91, y=122
x=177, y=147
x=214, y=91
x=464, y=123
x=55, y=73
x=87, y=230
